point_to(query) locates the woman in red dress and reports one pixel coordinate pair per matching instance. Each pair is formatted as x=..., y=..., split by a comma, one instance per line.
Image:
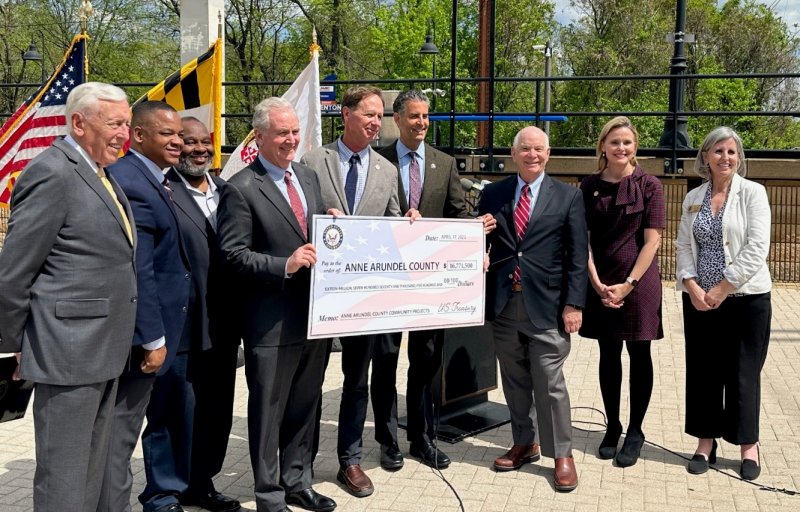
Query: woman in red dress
x=625, y=213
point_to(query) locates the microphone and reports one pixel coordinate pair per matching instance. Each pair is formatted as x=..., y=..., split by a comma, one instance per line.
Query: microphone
x=467, y=184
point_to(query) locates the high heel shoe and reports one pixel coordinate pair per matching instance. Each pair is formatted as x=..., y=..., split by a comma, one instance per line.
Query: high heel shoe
x=699, y=463
x=750, y=468
x=631, y=449
x=608, y=446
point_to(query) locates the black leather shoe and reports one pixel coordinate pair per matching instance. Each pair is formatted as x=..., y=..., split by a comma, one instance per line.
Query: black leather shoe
x=631, y=449
x=310, y=499
x=608, y=446
x=391, y=457
x=172, y=507
x=751, y=469
x=699, y=463
x=429, y=455
x=213, y=501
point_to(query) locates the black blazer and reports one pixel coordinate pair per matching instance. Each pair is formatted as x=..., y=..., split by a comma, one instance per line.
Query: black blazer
x=162, y=266
x=211, y=299
x=553, y=255
x=257, y=233
x=442, y=195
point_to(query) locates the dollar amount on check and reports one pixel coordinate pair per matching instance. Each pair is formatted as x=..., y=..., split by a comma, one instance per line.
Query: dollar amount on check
x=385, y=274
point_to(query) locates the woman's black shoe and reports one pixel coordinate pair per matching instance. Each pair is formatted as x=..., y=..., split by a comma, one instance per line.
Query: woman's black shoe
x=631, y=449
x=699, y=464
x=750, y=468
x=608, y=446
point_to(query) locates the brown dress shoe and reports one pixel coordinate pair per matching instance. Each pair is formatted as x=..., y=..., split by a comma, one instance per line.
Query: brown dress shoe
x=356, y=481
x=518, y=455
x=566, y=478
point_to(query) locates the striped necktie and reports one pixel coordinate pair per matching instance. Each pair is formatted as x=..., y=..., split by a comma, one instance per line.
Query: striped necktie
x=522, y=215
x=414, y=181
x=296, y=203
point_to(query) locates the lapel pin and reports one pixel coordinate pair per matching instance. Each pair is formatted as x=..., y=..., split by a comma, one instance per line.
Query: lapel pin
x=433, y=166
x=596, y=193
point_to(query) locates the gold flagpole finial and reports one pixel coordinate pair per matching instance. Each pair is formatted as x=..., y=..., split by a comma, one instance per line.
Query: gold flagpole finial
x=314, y=48
x=83, y=13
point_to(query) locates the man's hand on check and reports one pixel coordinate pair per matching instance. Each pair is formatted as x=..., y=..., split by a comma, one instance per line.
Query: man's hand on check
x=303, y=256
x=489, y=223
x=413, y=214
x=335, y=212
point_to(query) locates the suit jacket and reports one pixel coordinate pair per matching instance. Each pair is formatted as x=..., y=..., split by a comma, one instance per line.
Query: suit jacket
x=211, y=298
x=257, y=233
x=380, y=191
x=442, y=195
x=553, y=255
x=162, y=266
x=68, y=285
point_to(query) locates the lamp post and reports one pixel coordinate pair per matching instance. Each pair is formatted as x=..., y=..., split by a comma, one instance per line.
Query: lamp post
x=430, y=48
x=32, y=54
x=675, y=134
x=547, y=50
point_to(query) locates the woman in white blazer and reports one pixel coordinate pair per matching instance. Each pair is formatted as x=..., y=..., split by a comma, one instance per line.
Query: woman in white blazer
x=722, y=248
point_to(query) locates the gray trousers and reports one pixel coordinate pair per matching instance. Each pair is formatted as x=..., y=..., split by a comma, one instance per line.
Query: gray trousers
x=133, y=396
x=531, y=367
x=72, y=426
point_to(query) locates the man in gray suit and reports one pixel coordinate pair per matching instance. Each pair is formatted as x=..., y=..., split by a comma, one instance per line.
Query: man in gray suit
x=68, y=299
x=356, y=180
x=535, y=290
x=264, y=225
x=428, y=181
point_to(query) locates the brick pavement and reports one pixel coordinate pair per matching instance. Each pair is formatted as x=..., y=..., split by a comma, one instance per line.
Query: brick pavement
x=659, y=480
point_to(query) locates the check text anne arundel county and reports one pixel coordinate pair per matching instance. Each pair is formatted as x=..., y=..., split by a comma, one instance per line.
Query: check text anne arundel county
x=393, y=266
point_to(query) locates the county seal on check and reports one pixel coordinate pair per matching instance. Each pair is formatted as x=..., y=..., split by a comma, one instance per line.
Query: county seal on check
x=386, y=274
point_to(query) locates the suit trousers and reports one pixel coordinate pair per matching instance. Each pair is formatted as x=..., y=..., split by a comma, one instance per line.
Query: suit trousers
x=167, y=438
x=424, y=370
x=531, y=368
x=725, y=351
x=213, y=377
x=357, y=353
x=72, y=428
x=133, y=395
x=285, y=384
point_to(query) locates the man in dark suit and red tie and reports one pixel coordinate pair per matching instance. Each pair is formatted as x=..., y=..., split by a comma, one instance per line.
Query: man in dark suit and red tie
x=535, y=290
x=68, y=295
x=264, y=228
x=428, y=181
x=163, y=278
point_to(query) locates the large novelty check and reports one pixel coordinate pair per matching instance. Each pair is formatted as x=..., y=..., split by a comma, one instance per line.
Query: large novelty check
x=386, y=274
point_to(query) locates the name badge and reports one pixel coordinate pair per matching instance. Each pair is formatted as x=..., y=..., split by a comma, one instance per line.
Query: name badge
x=695, y=208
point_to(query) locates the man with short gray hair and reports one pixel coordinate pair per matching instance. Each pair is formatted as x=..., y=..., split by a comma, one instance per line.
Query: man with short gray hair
x=264, y=228
x=68, y=300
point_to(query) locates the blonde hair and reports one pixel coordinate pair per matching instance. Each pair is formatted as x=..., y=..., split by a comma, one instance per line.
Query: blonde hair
x=617, y=122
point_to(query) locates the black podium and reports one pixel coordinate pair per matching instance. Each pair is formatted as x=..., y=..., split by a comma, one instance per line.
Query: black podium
x=469, y=372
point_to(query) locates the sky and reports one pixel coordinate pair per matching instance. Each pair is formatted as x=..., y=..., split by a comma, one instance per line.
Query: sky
x=789, y=10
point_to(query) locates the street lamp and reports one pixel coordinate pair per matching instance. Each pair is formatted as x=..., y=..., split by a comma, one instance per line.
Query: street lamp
x=32, y=54
x=430, y=48
x=547, y=50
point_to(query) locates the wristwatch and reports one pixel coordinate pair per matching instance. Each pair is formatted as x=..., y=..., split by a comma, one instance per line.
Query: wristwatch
x=631, y=281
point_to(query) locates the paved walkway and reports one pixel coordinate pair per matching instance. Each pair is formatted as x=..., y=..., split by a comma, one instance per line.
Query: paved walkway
x=659, y=480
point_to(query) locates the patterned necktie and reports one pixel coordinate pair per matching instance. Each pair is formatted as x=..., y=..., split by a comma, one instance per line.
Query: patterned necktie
x=351, y=183
x=296, y=203
x=414, y=182
x=168, y=190
x=522, y=215
x=107, y=184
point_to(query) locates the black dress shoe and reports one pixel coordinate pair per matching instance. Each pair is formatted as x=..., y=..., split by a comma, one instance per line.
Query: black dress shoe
x=751, y=469
x=608, y=446
x=310, y=499
x=631, y=449
x=699, y=463
x=213, y=501
x=172, y=507
x=429, y=455
x=391, y=457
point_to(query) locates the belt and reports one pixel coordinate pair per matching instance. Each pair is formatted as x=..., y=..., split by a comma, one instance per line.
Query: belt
x=516, y=287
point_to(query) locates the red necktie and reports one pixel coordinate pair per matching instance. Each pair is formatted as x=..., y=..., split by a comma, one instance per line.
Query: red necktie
x=522, y=215
x=296, y=203
x=414, y=182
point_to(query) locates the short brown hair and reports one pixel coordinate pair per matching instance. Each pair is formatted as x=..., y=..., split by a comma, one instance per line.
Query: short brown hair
x=353, y=96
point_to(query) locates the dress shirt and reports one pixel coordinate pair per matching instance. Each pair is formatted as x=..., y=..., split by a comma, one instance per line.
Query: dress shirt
x=207, y=201
x=404, y=160
x=363, y=167
x=533, y=190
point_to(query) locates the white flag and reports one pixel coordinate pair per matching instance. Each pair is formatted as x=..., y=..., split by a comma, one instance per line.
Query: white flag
x=304, y=96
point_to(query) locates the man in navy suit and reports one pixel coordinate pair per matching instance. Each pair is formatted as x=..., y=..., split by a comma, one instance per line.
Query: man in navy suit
x=194, y=398
x=535, y=290
x=163, y=279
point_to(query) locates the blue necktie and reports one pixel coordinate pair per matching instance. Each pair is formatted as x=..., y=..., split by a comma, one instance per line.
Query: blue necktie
x=351, y=182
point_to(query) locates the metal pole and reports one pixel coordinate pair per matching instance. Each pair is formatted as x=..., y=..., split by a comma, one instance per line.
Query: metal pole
x=548, y=52
x=453, y=33
x=44, y=76
x=433, y=89
x=490, y=135
x=676, y=135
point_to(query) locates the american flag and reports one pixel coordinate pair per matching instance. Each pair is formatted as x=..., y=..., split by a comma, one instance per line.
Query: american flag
x=40, y=119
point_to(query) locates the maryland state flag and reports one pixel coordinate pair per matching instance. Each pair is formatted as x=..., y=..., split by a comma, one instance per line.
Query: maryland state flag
x=40, y=119
x=196, y=90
